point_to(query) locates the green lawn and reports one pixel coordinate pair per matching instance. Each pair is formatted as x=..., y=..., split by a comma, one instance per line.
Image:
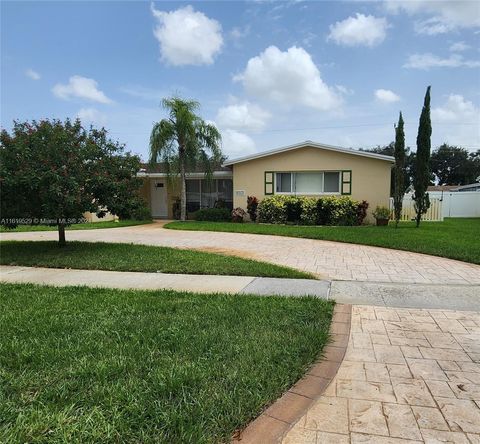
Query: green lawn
x=95, y=365
x=85, y=226
x=454, y=238
x=130, y=257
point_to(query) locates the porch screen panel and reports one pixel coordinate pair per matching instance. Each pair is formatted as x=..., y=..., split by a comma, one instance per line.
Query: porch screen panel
x=209, y=193
x=308, y=183
x=225, y=191
x=193, y=194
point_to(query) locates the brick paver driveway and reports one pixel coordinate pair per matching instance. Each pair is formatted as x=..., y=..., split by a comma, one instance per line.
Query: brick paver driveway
x=408, y=376
x=329, y=260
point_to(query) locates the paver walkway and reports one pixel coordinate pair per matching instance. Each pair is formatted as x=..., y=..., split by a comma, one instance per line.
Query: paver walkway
x=408, y=376
x=328, y=260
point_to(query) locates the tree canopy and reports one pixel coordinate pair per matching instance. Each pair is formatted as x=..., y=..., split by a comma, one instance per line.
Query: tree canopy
x=453, y=165
x=52, y=172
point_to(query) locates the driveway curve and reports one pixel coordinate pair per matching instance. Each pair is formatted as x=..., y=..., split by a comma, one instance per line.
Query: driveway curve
x=326, y=259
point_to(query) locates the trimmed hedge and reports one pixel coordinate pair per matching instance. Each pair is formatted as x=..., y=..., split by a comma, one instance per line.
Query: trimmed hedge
x=213, y=215
x=328, y=210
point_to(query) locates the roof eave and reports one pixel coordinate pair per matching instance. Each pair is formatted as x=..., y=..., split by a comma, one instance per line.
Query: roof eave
x=305, y=145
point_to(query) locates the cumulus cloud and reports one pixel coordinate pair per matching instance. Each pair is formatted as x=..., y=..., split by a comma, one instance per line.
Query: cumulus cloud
x=289, y=78
x=237, y=144
x=361, y=30
x=91, y=115
x=446, y=15
x=187, y=37
x=427, y=61
x=464, y=117
x=34, y=75
x=459, y=47
x=82, y=88
x=456, y=108
x=243, y=116
x=387, y=96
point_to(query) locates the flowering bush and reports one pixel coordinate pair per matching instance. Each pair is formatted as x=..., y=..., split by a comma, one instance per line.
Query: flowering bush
x=328, y=210
x=252, y=205
x=309, y=211
x=273, y=210
x=238, y=214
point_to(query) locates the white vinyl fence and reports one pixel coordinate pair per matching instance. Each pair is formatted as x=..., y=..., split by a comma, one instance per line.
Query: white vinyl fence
x=446, y=204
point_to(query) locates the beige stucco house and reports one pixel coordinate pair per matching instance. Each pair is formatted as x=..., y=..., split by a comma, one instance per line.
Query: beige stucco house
x=303, y=169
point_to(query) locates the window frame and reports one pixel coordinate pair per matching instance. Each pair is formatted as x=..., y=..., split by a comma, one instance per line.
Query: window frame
x=294, y=192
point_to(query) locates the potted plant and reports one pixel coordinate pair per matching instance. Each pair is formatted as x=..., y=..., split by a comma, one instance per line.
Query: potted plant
x=382, y=215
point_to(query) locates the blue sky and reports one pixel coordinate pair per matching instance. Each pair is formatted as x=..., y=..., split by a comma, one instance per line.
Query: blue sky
x=268, y=73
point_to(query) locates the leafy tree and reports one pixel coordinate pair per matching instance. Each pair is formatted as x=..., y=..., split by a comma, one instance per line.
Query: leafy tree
x=454, y=165
x=51, y=172
x=421, y=176
x=399, y=170
x=182, y=141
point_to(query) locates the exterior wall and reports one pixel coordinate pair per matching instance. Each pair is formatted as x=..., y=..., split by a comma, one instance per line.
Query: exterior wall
x=370, y=177
x=92, y=217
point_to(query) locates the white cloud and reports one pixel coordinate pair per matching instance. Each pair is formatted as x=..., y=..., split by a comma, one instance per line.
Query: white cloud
x=362, y=30
x=459, y=121
x=446, y=15
x=237, y=144
x=238, y=33
x=427, y=61
x=288, y=77
x=243, y=116
x=344, y=90
x=34, y=75
x=187, y=37
x=456, y=108
x=91, y=115
x=387, y=96
x=81, y=87
x=459, y=46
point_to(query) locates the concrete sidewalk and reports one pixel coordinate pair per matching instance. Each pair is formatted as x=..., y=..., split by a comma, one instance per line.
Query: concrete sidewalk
x=157, y=281
x=446, y=297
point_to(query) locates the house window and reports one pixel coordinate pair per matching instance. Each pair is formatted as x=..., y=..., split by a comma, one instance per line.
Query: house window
x=311, y=182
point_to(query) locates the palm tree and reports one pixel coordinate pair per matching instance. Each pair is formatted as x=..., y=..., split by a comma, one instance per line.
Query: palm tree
x=184, y=140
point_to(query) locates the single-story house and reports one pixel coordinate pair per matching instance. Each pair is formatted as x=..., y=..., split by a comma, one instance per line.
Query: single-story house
x=304, y=169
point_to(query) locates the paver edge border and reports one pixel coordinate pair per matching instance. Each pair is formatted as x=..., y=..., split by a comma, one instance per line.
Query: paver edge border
x=274, y=423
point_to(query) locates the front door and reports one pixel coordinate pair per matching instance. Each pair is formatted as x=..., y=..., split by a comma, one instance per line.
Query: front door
x=158, y=198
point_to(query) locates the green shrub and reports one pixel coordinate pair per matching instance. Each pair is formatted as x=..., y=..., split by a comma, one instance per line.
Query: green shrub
x=213, y=215
x=139, y=212
x=272, y=210
x=309, y=211
x=328, y=210
x=293, y=208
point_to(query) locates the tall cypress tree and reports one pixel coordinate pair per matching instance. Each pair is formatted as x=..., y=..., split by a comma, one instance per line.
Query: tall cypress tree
x=421, y=176
x=399, y=170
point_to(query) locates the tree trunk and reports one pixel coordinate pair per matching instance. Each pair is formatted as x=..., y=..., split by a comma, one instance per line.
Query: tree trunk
x=61, y=235
x=183, y=197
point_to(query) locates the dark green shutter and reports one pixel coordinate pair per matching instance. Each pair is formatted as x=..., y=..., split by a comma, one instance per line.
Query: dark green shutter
x=269, y=183
x=346, y=182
